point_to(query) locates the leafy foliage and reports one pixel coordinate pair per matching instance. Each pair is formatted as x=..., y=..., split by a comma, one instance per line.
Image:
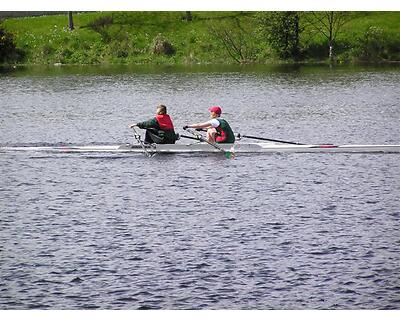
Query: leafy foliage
x=372, y=45
x=100, y=25
x=211, y=37
x=282, y=32
x=8, y=51
x=162, y=46
x=236, y=39
x=329, y=24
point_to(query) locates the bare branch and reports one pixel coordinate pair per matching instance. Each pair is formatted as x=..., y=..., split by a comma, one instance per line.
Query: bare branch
x=329, y=24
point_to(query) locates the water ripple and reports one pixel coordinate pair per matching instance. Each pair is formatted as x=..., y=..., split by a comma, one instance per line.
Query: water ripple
x=299, y=231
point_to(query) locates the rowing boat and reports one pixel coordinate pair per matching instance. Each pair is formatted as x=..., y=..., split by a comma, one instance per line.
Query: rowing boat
x=207, y=148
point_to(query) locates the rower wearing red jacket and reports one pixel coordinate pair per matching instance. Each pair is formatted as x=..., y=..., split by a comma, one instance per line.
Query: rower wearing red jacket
x=159, y=129
x=218, y=129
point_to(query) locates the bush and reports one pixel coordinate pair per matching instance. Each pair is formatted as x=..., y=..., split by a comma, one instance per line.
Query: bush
x=119, y=49
x=372, y=45
x=162, y=46
x=319, y=51
x=8, y=51
x=316, y=50
x=238, y=40
x=63, y=55
x=281, y=31
x=393, y=49
x=47, y=50
x=100, y=26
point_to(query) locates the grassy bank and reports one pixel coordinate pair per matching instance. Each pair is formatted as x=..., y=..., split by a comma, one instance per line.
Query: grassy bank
x=168, y=38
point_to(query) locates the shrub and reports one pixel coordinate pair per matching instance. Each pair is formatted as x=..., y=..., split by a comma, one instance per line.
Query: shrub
x=237, y=40
x=281, y=31
x=372, y=45
x=63, y=55
x=162, y=46
x=119, y=49
x=47, y=49
x=8, y=51
x=100, y=26
x=393, y=48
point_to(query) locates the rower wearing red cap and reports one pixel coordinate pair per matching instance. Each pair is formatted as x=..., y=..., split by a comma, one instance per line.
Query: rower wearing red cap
x=218, y=129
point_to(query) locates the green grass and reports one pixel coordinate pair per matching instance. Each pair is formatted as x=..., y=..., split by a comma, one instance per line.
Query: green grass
x=131, y=35
x=389, y=21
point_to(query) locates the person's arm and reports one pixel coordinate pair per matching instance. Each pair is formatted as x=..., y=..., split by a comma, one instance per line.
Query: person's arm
x=203, y=125
x=152, y=123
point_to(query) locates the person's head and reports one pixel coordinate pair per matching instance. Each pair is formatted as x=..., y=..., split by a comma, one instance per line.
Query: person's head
x=215, y=111
x=161, y=109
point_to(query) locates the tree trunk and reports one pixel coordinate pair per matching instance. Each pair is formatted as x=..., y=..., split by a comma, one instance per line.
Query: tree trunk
x=297, y=39
x=331, y=21
x=188, y=16
x=70, y=21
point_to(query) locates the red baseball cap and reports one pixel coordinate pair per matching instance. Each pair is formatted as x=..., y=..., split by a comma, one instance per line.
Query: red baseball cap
x=215, y=109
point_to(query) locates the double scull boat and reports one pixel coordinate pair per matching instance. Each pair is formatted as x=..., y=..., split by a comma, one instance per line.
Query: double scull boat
x=202, y=147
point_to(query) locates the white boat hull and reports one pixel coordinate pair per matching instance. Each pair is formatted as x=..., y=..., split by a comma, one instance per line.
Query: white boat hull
x=206, y=148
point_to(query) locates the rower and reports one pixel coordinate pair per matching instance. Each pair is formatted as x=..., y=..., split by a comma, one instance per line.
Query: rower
x=159, y=129
x=218, y=129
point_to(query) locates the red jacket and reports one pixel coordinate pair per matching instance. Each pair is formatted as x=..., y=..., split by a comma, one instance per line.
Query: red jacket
x=165, y=122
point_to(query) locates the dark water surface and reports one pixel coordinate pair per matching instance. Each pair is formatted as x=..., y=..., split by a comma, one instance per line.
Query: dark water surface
x=269, y=231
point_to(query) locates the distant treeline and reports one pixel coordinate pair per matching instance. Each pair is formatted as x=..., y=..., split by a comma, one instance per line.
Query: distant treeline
x=18, y=14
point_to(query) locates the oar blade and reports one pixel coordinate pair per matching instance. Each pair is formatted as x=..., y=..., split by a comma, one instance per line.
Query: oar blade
x=229, y=155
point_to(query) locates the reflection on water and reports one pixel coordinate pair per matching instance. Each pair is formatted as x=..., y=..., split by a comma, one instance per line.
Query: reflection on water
x=93, y=70
x=289, y=231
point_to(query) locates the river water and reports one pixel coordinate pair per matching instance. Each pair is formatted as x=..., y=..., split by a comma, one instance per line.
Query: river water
x=268, y=231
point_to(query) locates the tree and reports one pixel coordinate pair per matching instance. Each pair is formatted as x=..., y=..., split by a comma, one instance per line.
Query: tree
x=236, y=40
x=329, y=24
x=70, y=21
x=282, y=32
x=188, y=16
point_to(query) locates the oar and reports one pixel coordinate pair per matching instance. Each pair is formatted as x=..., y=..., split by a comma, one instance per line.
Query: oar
x=267, y=139
x=198, y=136
x=238, y=135
x=137, y=137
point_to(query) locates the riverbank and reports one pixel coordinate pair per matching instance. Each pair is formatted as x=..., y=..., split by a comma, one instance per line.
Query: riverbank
x=171, y=38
